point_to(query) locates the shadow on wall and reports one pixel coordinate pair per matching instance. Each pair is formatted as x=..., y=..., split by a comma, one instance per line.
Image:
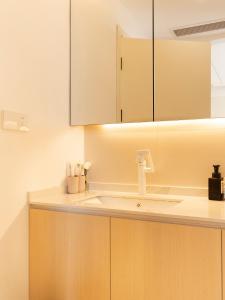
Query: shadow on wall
x=13, y=258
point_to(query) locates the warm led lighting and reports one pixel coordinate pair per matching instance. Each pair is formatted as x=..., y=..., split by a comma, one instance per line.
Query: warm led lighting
x=219, y=121
x=129, y=125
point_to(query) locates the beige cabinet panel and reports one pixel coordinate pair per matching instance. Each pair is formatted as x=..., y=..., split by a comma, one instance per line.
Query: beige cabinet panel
x=69, y=256
x=164, y=261
x=93, y=62
x=182, y=80
x=136, y=80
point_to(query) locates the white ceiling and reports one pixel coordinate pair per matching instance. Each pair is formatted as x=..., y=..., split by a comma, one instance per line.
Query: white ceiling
x=135, y=17
x=169, y=14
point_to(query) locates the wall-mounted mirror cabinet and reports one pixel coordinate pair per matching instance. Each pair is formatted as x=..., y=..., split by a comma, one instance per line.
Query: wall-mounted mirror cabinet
x=120, y=73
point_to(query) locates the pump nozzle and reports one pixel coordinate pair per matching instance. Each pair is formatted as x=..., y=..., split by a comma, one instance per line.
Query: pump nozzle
x=216, y=173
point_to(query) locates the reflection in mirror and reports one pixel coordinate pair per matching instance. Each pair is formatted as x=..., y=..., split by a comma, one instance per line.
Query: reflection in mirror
x=218, y=79
x=111, y=61
x=135, y=61
x=189, y=59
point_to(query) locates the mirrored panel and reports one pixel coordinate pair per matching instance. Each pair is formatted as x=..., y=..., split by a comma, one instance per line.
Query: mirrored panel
x=111, y=61
x=189, y=59
x=135, y=62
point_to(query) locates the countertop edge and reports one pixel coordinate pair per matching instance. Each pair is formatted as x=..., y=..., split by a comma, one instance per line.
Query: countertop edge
x=154, y=217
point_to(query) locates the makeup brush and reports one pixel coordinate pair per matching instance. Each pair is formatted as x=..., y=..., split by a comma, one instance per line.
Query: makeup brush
x=87, y=165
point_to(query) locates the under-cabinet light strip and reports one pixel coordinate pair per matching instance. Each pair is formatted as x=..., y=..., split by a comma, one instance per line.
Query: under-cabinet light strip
x=218, y=121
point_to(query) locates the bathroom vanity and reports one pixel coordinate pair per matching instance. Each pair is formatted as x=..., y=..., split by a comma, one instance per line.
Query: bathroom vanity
x=123, y=247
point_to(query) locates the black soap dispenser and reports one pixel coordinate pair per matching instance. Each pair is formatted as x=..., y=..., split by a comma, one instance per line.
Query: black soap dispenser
x=216, y=186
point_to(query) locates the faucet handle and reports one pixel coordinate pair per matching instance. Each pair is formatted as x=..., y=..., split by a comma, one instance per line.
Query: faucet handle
x=144, y=156
x=149, y=170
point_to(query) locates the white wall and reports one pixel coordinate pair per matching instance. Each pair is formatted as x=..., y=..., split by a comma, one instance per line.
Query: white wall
x=34, y=79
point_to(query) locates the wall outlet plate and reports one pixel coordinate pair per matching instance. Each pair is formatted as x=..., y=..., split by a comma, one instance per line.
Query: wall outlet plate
x=14, y=121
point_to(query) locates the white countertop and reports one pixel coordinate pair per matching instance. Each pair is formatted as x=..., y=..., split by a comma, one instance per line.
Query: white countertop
x=195, y=211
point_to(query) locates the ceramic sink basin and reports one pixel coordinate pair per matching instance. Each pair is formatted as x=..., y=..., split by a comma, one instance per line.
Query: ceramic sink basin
x=129, y=203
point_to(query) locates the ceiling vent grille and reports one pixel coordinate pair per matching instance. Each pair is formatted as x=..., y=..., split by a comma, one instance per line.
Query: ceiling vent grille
x=198, y=29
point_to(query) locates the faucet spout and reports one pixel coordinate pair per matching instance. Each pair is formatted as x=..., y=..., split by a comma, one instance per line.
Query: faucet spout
x=145, y=165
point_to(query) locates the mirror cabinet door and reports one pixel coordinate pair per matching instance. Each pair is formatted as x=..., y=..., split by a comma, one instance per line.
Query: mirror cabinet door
x=93, y=60
x=135, y=61
x=111, y=61
x=189, y=51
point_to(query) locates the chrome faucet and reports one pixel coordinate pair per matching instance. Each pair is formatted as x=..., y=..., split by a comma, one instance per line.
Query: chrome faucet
x=145, y=165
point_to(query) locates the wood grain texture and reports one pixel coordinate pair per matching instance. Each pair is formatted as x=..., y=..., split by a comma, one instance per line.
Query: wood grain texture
x=69, y=256
x=164, y=261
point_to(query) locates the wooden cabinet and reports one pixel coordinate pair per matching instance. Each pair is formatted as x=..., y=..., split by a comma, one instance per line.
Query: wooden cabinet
x=164, y=261
x=83, y=257
x=69, y=256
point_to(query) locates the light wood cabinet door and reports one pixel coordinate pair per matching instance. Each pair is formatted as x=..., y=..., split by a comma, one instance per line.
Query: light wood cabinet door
x=154, y=261
x=69, y=256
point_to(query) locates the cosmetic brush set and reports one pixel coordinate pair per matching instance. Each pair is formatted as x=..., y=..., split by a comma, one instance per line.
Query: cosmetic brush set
x=77, y=177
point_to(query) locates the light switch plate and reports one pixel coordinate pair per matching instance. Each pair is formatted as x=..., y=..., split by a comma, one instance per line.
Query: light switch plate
x=14, y=121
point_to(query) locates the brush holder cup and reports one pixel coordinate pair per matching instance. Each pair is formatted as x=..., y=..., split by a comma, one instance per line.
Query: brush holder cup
x=73, y=184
